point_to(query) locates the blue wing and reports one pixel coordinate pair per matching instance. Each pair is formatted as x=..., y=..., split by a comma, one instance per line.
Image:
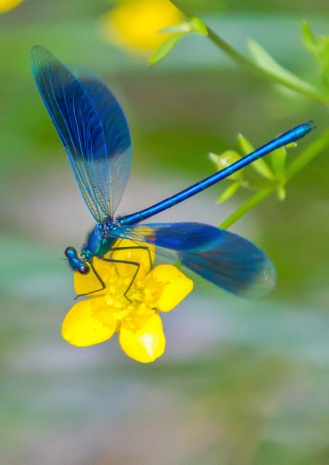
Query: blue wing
x=221, y=257
x=92, y=128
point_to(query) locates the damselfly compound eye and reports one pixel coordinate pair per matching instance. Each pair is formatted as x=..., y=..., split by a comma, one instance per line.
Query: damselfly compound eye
x=84, y=269
x=70, y=252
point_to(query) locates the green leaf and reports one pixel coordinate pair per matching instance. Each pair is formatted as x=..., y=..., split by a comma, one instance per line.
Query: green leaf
x=281, y=193
x=199, y=26
x=260, y=165
x=267, y=63
x=231, y=190
x=319, y=47
x=245, y=145
x=308, y=37
x=165, y=48
x=262, y=168
x=278, y=161
x=184, y=28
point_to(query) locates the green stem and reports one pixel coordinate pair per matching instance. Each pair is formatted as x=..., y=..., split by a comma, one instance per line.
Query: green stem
x=245, y=62
x=295, y=167
x=246, y=207
x=308, y=154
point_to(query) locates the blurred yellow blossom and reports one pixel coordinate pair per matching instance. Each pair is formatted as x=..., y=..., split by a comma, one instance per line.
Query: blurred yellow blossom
x=7, y=5
x=135, y=24
x=135, y=317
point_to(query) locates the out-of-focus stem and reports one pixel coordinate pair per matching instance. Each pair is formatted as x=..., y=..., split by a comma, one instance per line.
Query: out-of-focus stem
x=262, y=72
x=294, y=168
x=308, y=154
x=246, y=207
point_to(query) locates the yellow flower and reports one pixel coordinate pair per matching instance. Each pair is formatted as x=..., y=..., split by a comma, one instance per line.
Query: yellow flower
x=7, y=5
x=135, y=24
x=136, y=318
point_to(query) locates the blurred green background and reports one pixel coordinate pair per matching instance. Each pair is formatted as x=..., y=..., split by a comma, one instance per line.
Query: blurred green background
x=241, y=383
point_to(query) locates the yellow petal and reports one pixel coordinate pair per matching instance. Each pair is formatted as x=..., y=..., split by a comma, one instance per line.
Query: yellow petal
x=142, y=338
x=135, y=24
x=7, y=5
x=136, y=252
x=89, y=283
x=82, y=325
x=176, y=286
x=110, y=272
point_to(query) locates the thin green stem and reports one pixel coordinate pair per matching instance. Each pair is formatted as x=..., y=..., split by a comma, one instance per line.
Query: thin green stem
x=307, y=155
x=295, y=167
x=246, y=207
x=262, y=72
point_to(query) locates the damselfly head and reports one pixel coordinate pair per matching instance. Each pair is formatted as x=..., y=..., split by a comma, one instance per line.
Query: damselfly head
x=76, y=263
x=71, y=253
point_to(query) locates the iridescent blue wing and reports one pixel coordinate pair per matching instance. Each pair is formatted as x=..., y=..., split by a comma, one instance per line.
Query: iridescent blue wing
x=221, y=257
x=92, y=128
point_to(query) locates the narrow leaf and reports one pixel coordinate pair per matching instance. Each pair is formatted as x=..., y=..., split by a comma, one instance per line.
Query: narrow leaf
x=319, y=47
x=266, y=62
x=278, y=161
x=184, y=28
x=262, y=168
x=245, y=145
x=231, y=190
x=199, y=26
x=260, y=165
x=308, y=37
x=165, y=48
x=281, y=193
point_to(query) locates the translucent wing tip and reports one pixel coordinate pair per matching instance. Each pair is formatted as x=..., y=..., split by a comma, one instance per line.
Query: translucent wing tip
x=221, y=257
x=36, y=48
x=38, y=52
x=263, y=282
